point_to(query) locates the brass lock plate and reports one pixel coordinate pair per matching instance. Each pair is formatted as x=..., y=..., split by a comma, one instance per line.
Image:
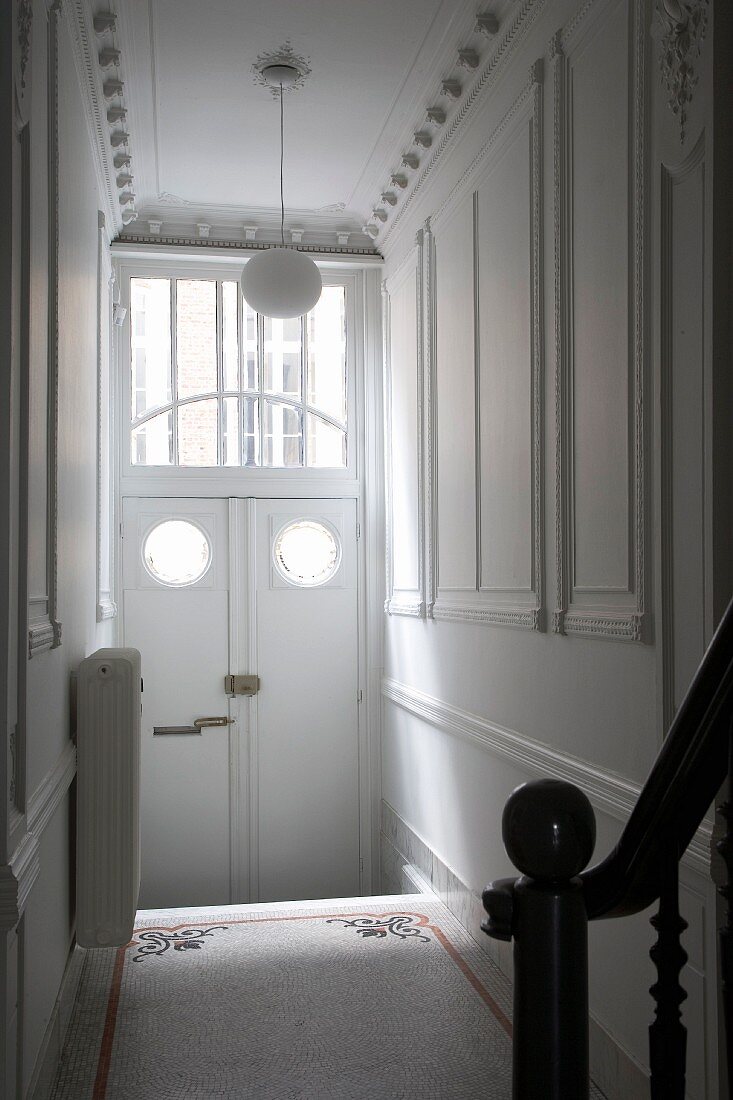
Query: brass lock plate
x=241, y=685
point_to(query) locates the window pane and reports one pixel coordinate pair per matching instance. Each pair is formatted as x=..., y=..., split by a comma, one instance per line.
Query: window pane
x=251, y=435
x=327, y=353
x=230, y=429
x=250, y=349
x=306, y=553
x=229, y=335
x=177, y=552
x=282, y=355
x=283, y=435
x=198, y=431
x=196, y=337
x=326, y=443
x=150, y=317
x=152, y=442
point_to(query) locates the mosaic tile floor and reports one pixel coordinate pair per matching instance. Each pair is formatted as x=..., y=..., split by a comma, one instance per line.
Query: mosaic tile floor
x=379, y=998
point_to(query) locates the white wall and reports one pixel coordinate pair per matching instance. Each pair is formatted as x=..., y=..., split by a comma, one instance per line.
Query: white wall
x=550, y=588
x=58, y=344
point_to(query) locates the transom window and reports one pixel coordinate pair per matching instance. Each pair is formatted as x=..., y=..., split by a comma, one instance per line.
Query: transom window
x=215, y=384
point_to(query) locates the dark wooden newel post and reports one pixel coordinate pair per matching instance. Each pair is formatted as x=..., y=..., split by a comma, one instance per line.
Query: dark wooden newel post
x=549, y=834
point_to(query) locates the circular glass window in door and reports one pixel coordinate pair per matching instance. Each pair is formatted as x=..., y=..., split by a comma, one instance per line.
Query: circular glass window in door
x=306, y=553
x=176, y=552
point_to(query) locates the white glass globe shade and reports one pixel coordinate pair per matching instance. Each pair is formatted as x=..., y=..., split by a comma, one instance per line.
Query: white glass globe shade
x=281, y=282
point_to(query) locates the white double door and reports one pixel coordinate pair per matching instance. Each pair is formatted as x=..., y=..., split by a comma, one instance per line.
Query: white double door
x=245, y=798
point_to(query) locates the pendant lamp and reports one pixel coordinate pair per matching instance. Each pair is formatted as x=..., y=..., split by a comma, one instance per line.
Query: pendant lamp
x=281, y=282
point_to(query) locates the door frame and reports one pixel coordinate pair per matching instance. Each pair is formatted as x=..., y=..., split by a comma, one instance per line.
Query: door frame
x=363, y=298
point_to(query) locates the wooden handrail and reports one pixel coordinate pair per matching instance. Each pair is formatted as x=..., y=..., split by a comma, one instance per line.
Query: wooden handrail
x=547, y=830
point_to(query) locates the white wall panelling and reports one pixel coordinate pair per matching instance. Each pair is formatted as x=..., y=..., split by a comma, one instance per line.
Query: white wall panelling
x=405, y=474
x=486, y=409
x=41, y=484
x=600, y=369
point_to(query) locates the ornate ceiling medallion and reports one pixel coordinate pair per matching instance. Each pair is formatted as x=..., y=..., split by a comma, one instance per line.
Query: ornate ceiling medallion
x=286, y=57
x=680, y=27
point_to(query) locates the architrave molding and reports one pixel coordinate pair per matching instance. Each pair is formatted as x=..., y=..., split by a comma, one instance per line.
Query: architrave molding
x=613, y=614
x=44, y=627
x=671, y=177
x=609, y=792
x=105, y=570
x=403, y=601
x=515, y=608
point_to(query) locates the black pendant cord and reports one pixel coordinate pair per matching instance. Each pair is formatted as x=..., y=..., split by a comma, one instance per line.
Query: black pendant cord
x=282, y=154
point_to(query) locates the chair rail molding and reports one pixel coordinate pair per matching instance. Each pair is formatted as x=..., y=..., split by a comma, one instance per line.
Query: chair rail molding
x=609, y=792
x=600, y=609
x=17, y=879
x=497, y=606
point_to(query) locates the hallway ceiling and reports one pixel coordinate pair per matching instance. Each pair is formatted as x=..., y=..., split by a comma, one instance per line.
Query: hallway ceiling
x=204, y=136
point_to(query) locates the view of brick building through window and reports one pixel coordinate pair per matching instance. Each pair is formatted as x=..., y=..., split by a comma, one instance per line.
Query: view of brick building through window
x=213, y=384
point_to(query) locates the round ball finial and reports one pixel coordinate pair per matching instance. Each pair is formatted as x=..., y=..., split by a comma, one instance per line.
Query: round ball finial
x=549, y=830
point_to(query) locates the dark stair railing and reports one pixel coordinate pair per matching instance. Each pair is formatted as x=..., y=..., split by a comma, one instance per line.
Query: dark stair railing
x=549, y=833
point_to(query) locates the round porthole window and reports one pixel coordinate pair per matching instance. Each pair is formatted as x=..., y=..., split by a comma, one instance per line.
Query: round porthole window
x=176, y=552
x=306, y=553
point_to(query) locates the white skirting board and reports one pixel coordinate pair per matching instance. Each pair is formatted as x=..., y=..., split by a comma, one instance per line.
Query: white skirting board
x=109, y=691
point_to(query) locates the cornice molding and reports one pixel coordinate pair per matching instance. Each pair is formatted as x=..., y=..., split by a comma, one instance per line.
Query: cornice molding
x=502, y=46
x=609, y=792
x=159, y=242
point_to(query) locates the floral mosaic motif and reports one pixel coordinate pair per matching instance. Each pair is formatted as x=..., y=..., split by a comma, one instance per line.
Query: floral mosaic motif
x=404, y=927
x=158, y=942
x=680, y=27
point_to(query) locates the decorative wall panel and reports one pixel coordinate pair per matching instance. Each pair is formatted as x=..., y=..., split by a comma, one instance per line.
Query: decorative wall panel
x=600, y=238
x=682, y=361
x=402, y=297
x=488, y=378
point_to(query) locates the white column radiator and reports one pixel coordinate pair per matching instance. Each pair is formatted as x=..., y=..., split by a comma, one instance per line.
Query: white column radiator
x=108, y=797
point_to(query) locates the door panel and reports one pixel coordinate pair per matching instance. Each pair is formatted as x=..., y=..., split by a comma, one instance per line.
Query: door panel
x=307, y=656
x=266, y=808
x=182, y=634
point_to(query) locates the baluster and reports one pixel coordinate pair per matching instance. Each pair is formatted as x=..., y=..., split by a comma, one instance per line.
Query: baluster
x=667, y=1034
x=725, y=934
x=549, y=834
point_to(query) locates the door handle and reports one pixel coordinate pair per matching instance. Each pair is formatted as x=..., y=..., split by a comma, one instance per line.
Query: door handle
x=222, y=720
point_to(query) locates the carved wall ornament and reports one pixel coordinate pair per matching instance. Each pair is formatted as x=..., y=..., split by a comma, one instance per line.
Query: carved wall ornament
x=468, y=59
x=379, y=214
x=285, y=55
x=487, y=24
x=389, y=197
x=116, y=114
x=203, y=230
x=108, y=57
x=104, y=21
x=128, y=216
x=119, y=137
x=122, y=160
x=680, y=26
x=422, y=138
x=410, y=160
x=112, y=88
x=126, y=197
x=250, y=232
x=398, y=180
x=155, y=225
x=451, y=88
x=296, y=235
x=370, y=230
x=124, y=179
x=342, y=239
